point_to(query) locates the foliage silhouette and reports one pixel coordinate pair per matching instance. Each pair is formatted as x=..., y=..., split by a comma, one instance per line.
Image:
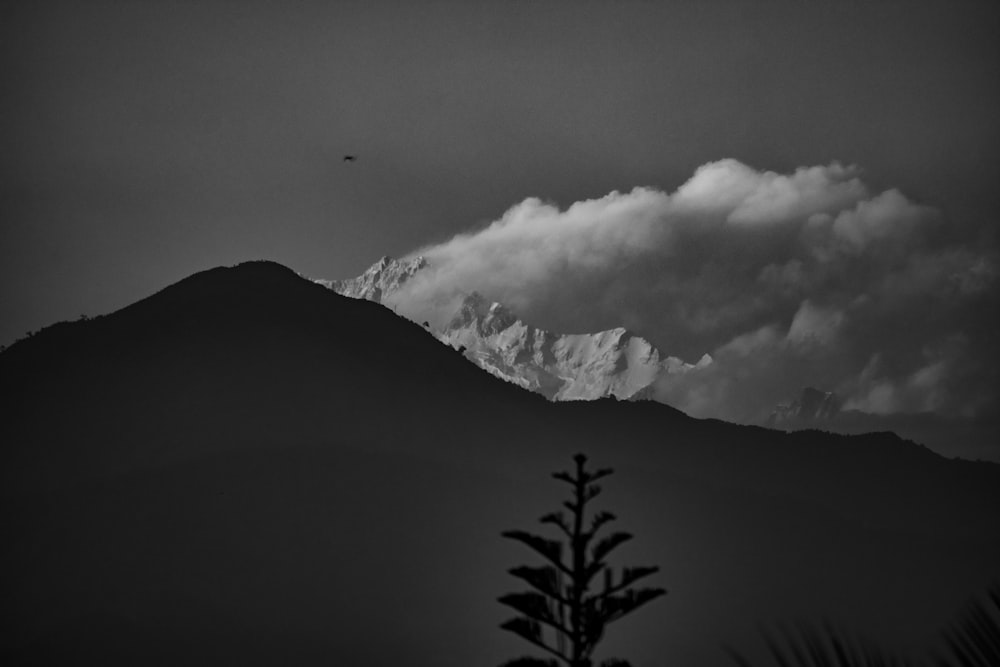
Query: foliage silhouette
x=528, y=661
x=829, y=647
x=973, y=641
x=561, y=603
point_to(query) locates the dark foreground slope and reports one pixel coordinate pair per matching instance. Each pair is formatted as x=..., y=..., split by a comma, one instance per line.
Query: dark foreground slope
x=249, y=469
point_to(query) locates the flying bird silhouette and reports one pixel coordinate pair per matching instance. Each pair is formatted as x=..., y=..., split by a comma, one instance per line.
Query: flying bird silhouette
x=350, y=158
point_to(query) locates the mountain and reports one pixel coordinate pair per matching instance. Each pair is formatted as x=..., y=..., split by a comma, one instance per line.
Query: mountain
x=561, y=367
x=248, y=468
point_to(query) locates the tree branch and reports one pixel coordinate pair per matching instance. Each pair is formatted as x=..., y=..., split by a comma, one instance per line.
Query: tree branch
x=529, y=638
x=629, y=577
x=550, y=549
x=544, y=579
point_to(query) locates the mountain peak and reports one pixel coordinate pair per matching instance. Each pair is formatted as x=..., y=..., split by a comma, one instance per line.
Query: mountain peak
x=488, y=316
x=583, y=366
x=379, y=280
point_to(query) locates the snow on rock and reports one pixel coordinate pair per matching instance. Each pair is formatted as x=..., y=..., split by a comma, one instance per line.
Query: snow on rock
x=562, y=367
x=380, y=280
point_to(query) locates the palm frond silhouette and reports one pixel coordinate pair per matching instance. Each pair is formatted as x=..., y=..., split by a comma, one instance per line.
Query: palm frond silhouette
x=973, y=640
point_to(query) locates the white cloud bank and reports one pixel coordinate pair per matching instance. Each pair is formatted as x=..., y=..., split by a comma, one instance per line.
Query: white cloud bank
x=787, y=280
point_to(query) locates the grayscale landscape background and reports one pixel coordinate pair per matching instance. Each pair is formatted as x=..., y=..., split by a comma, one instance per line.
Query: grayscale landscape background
x=745, y=253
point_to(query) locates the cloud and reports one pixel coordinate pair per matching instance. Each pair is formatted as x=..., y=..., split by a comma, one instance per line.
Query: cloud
x=786, y=280
x=746, y=196
x=814, y=325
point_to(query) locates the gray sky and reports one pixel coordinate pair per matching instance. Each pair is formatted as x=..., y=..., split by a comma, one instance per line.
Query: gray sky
x=144, y=141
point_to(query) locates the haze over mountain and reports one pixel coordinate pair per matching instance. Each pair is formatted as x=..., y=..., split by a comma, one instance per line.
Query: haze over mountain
x=811, y=406
x=248, y=468
x=966, y=437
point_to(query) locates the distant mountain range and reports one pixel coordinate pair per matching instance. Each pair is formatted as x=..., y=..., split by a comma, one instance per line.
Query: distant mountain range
x=584, y=366
x=247, y=468
x=812, y=407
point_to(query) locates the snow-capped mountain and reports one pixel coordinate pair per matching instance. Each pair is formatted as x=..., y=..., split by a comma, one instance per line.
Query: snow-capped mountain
x=584, y=366
x=380, y=279
x=581, y=366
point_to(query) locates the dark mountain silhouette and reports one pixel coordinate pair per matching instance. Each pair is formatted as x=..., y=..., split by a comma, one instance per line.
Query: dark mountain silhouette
x=247, y=468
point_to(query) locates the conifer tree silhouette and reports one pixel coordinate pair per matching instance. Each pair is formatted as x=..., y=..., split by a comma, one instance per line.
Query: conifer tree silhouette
x=562, y=604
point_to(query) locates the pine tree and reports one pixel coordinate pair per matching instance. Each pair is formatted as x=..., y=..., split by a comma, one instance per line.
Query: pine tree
x=562, y=605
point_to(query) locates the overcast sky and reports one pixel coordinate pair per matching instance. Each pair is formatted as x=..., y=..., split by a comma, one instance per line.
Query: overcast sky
x=144, y=141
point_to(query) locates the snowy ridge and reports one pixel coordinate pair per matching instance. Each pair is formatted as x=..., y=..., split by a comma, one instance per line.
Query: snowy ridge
x=562, y=367
x=379, y=281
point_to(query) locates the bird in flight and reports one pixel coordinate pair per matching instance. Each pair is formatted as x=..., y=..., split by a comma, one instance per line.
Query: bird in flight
x=350, y=158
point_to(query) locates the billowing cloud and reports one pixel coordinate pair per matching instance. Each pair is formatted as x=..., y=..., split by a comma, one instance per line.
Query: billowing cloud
x=787, y=280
